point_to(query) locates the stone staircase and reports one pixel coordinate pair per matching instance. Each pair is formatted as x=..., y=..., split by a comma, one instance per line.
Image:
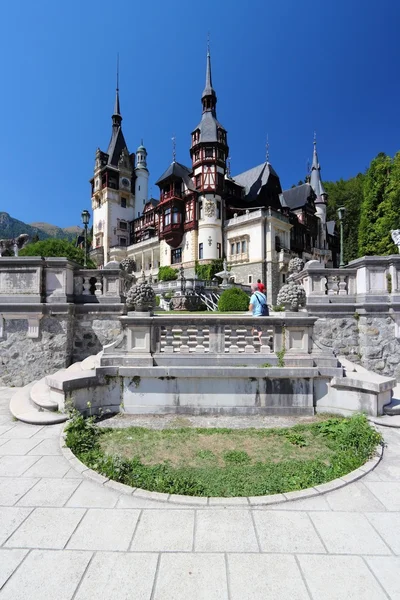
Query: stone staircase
x=38, y=403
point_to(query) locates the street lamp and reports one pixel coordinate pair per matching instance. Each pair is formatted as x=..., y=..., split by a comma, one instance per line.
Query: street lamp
x=85, y=220
x=340, y=212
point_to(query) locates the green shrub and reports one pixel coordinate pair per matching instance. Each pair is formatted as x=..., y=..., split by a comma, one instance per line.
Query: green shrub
x=207, y=272
x=60, y=248
x=233, y=299
x=167, y=274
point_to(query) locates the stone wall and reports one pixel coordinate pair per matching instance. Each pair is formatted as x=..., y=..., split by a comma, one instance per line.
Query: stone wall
x=242, y=272
x=92, y=332
x=24, y=359
x=366, y=340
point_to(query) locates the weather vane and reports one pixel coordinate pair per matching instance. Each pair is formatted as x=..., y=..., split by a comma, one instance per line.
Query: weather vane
x=228, y=167
x=267, y=149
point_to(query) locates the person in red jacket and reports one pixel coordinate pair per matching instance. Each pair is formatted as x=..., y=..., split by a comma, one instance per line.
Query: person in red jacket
x=261, y=286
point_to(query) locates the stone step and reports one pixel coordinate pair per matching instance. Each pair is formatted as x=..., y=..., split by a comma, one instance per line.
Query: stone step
x=22, y=409
x=40, y=396
x=387, y=421
x=392, y=409
x=75, y=367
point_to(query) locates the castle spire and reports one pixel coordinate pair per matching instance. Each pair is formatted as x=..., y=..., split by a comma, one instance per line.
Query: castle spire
x=315, y=179
x=209, y=97
x=117, y=118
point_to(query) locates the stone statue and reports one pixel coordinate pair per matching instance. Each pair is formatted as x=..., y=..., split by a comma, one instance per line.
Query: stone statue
x=14, y=245
x=395, y=233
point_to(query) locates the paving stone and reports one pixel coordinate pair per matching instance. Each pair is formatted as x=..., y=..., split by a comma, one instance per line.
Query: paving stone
x=116, y=576
x=50, y=431
x=348, y=533
x=22, y=431
x=18, y=447
x=9, y=561
x=49, y=466
x=227, y=530
x=261, y=577
x=72, y=474
x=49, y=492
x=46, y=528
x=286, y=532
x=125, y=501
x=388, y=526
x=388, y=492
x=6, y=419
x=314, y=503
x=164, y=530
x=340, y=578
x=5, y=428
x=47, y=575
x=93, y=495
x=387, y=572
x=355, y=497
x=389, y=471
x=47, y=447
x=103, y=529
x=15, y=466
x=13, y=488
x=194, y=576
x=11, y=518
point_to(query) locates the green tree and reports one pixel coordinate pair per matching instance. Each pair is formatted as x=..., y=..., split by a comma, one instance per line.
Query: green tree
x=376, y=212
x=167, y=274
x=350, y=195
x=55, y=247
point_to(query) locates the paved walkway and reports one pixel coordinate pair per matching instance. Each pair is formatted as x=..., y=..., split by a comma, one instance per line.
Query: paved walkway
x=63, y=537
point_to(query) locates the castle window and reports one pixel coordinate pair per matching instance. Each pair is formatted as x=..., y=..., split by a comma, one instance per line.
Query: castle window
x=240, y=248
x=197, y=156
x=167, y=217
x=250, y=279
x=176, y=256
x=221, y=154
x=123, y=202
x=122, y=241
x=244, y=246
x=189, y=212
x=176, y=216
x=198, y=181
x=208, y=153
x=123, y=225
x=232, y=248
x=218, y=250
x=98, y=203
x=200, y=251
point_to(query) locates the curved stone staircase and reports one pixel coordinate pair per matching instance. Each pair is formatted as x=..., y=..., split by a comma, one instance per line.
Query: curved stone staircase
x=38, y=403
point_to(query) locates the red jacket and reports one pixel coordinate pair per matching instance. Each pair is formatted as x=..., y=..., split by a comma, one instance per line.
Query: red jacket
x=261, y=287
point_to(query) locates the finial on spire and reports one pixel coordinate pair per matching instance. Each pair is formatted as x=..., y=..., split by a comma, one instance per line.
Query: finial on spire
x=208, y=43
x=117, y=110
x=267, y=149
x=315, y=138
x=173, y=148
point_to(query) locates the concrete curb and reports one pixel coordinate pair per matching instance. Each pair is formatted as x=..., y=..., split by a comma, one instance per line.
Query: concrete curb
x=240, y=501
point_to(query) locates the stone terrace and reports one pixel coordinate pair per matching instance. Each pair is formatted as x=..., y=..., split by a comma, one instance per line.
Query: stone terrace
x=65, y=537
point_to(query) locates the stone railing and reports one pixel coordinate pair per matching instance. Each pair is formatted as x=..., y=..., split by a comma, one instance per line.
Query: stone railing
x=101, y=285
x=35, y=280
x=145, y=338
x=328, y=282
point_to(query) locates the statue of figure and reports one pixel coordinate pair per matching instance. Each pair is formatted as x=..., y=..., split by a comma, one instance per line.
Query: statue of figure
x=395, y=233
x=14, y=245
x=150, y=278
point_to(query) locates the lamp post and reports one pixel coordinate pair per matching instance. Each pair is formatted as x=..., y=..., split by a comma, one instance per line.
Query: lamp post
x=340, y=212
x=85, y=220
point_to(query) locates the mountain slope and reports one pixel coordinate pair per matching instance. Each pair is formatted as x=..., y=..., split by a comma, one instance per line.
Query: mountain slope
x=11, y=228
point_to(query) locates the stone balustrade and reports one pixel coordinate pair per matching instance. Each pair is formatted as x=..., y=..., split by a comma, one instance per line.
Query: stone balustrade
x=101, y=285
x=147, y=338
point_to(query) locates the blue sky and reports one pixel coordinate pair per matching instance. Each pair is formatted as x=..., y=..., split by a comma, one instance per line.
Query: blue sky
x=285, y=68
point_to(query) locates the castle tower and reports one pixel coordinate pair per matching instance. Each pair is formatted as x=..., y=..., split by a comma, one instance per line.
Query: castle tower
x=113, y=198
x=142, y=178
x=209, y=151
x=322, y=196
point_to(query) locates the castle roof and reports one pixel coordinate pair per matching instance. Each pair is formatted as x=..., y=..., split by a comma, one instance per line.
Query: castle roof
x=177, y=171
x=254, y=179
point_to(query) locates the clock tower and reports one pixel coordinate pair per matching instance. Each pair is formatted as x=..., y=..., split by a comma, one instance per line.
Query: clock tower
x=113, y=194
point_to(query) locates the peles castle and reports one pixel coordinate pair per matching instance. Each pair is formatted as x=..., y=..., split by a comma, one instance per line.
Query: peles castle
x=203, y=212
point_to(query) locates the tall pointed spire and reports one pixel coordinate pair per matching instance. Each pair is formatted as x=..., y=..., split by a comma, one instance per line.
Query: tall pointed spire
x=117, y=118
x=209, y=97
x=315, y=179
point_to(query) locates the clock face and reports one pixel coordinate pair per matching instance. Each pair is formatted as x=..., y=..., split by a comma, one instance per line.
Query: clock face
x=125, y=182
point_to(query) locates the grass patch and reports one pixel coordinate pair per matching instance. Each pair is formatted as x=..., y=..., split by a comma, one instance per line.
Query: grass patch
x=225, y=462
